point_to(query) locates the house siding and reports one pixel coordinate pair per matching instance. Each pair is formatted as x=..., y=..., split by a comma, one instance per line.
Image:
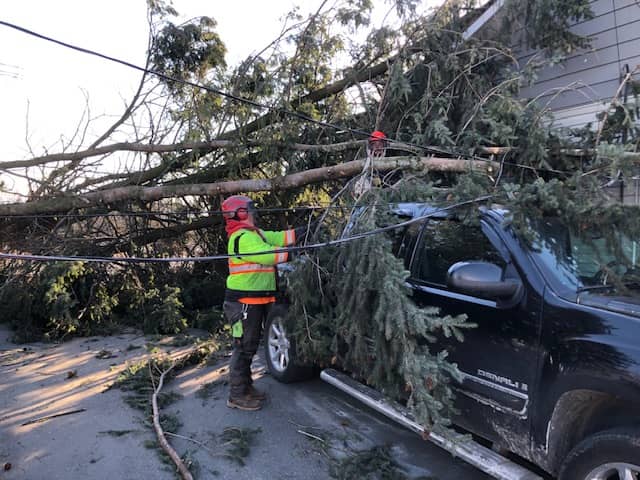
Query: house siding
x=576, y=90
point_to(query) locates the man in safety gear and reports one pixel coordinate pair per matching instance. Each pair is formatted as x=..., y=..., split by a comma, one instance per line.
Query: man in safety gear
x=377, y=144
x=376, y=148
x=251, y=289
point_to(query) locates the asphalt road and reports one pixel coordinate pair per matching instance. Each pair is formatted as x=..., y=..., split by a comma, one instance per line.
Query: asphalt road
x=306, y=430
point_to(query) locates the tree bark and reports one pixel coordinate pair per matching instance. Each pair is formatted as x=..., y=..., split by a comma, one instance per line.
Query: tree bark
x=287, y=182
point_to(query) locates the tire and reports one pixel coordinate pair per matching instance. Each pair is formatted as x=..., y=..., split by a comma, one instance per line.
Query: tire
x=609, y=455
x=280, y=350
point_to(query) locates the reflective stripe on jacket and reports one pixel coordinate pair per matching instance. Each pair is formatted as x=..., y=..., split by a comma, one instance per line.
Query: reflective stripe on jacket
x=256, y=273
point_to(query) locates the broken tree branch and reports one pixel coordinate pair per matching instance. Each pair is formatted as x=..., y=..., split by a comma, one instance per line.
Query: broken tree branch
x=162, y=440
x=166, y=148
x=287, y=182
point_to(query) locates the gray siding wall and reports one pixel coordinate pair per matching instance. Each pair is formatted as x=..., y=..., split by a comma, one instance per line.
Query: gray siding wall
x=585, y=83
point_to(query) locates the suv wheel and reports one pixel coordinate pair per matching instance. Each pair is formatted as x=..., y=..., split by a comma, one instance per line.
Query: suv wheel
x=608, y=455
x=280, y=351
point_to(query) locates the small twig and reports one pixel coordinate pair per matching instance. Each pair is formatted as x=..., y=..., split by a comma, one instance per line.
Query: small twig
x=306, y=318
x=20, y=363
x=49, y=417
x=304, y=426
x=312, y=436
x=194, y=441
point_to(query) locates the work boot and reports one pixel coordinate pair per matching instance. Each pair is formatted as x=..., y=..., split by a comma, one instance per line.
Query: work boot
x=244, y=402
x=253, y=392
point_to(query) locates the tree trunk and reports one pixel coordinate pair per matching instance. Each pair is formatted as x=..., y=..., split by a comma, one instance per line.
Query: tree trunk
x=287, y=182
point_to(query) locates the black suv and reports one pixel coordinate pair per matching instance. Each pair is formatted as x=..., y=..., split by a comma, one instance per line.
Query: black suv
x=552, y=372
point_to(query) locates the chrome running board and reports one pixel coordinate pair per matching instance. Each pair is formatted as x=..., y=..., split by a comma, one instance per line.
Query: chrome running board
x=481, y=457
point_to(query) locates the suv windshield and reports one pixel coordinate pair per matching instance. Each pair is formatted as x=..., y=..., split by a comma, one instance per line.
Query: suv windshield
x=583, y=261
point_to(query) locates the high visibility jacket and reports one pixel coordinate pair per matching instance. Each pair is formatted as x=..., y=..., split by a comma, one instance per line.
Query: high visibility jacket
x=255, y=275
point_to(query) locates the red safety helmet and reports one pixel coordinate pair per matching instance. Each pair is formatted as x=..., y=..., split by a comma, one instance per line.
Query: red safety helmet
x=377, y=144
x=237, y=207
x=377, y=135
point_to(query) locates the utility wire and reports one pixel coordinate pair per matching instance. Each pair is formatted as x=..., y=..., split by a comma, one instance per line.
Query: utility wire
x=230, y=96
x=314, y=246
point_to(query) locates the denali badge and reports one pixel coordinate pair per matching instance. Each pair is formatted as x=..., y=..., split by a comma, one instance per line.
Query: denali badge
x=503, y=380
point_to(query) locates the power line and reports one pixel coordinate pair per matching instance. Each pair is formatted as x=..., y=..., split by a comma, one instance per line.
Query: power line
x=315, y=246
x=230, y=96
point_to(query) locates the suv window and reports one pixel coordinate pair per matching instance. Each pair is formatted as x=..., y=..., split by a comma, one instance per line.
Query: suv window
x=445, y=242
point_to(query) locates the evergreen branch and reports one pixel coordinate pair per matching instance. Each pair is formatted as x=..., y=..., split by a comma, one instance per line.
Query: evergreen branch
x=627, y=78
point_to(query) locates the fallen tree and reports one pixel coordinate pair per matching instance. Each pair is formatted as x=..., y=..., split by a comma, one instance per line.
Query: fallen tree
x=425, y=84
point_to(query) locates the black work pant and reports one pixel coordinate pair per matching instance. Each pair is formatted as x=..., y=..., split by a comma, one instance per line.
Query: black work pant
x=246, y=346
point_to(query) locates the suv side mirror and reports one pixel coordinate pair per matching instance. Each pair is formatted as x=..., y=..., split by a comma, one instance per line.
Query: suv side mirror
x=481, y=279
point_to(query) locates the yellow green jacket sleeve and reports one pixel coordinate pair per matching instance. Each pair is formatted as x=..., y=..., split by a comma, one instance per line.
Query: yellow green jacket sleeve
x=281, y=238
x=253, y=242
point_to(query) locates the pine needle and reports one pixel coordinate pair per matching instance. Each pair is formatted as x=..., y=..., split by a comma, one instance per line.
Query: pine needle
x=238, y=442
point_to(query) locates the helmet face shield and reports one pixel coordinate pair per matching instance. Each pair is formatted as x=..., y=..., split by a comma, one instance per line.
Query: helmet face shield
x=252, y=210
x=238, y=208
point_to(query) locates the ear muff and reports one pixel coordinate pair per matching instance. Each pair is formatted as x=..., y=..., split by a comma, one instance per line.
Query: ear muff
x=242, y=214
